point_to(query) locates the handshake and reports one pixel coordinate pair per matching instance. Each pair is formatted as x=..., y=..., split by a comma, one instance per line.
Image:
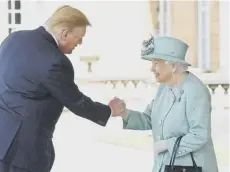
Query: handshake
x=118, y=107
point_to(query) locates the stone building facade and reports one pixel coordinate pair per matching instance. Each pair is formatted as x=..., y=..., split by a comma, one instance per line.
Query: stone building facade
x=204, y=25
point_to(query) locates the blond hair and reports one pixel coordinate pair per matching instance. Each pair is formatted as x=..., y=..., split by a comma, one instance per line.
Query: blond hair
x=67, y=16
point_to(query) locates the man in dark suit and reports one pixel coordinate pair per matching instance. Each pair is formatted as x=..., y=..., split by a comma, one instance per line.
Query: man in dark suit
x=36, y=82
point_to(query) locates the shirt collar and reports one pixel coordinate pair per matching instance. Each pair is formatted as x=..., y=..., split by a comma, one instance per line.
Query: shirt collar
x=51, y=34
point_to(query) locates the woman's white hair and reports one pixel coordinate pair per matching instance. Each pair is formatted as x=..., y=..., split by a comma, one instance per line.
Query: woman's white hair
x=180, y=67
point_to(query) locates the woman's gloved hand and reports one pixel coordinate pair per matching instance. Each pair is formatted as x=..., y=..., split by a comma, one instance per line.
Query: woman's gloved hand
x=160, y=146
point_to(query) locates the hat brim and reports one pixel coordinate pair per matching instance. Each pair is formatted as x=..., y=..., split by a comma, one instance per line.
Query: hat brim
x=164, y=57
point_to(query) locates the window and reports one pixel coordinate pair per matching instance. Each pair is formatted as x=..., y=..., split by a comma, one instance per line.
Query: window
x=203, y=35
x=17, y=18
x=17, y=5
x=14, y=15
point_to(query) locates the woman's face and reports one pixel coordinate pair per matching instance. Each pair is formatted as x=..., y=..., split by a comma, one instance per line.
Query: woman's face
x=162, y=71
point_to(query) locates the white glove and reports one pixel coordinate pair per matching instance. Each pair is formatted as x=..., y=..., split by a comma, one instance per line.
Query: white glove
x=160, y=146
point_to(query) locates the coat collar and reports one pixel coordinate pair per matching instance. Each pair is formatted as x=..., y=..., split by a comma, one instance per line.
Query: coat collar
x=47, y=35
x=170, y=96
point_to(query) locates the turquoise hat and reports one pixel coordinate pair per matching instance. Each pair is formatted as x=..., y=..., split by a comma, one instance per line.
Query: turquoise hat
x=165, y=48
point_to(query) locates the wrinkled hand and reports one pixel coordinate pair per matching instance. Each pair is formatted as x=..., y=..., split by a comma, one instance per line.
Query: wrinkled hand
x=160, y=146
x=117, y=106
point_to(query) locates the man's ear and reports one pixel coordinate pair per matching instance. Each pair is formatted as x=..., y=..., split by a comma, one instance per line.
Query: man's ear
x=64, y=34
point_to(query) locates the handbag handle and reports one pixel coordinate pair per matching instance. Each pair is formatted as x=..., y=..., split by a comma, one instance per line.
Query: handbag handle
x=175, y=149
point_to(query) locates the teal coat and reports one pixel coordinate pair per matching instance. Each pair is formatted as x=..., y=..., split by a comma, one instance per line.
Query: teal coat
x=186, y=111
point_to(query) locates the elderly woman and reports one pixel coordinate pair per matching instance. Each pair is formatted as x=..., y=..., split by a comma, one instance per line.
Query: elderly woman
x=182, y=107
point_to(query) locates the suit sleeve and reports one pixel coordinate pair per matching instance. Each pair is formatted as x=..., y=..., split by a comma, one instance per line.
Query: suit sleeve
x=60, y=83
x=198, y=111
x=135, y=120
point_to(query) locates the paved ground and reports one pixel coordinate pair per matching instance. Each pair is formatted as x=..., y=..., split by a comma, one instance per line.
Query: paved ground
x=78, y=148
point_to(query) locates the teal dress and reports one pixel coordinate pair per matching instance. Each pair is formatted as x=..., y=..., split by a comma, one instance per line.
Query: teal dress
x=183, y=110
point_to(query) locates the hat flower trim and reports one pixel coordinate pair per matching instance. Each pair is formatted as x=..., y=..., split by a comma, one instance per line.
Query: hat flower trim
x=147, y=46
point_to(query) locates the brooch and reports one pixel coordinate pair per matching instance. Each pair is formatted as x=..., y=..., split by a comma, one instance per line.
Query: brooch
x=181, y=93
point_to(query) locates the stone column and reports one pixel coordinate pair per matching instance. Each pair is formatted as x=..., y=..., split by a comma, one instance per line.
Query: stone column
x=204, y=35
x=214, y=35
x=224, y=37
x=154, y=8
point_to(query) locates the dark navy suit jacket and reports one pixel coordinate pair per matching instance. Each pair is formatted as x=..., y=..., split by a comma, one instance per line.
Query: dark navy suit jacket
x=36, y=82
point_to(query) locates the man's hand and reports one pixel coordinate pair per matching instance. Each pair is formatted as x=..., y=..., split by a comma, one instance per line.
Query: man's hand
x=117, y=106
